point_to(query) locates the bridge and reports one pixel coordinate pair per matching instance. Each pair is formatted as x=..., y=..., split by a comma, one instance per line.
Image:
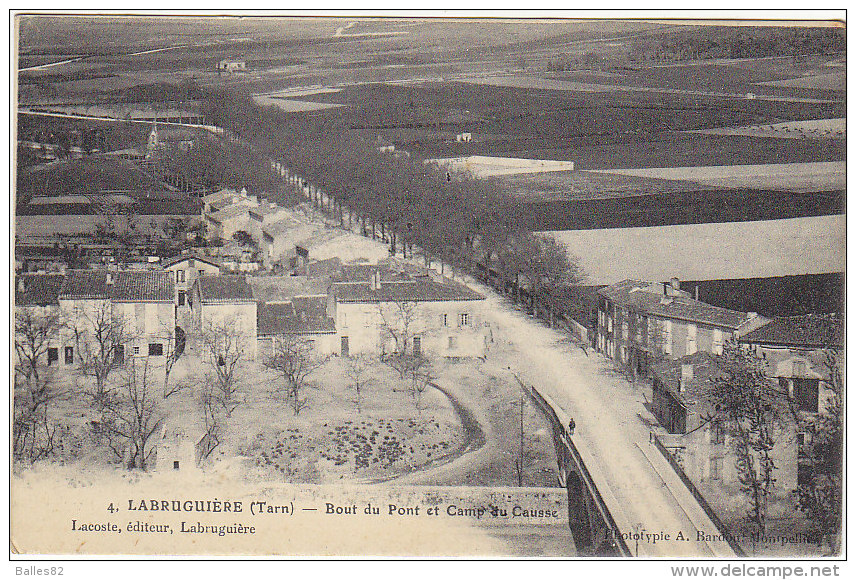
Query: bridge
x=608, y=518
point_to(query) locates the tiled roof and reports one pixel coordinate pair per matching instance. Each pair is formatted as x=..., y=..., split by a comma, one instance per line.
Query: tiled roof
x=810, y=331
x=419, y=290
x=694, y=394
x=325, y=268
x=303, y=315
x=84, y=284
x=182, y=257
x=232, y=211
x=647, y=297
x=224, y=288
x=264, y=210
x=142, y=286
x=220, y=195
x=38, y=289
x=284, y=288
x=282, y=226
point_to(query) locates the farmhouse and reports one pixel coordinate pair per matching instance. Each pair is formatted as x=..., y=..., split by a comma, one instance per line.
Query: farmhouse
x=309, y=317
x=231, y=66
x=798, y=350
x=144, y=300
x=681, y=402
x=381, y=310
x=224, y=304
x=37, y=298
x=134, y=306
x=639, y=321
x=185, y=269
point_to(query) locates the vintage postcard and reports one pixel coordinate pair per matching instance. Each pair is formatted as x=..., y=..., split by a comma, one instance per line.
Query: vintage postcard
x=427, y=286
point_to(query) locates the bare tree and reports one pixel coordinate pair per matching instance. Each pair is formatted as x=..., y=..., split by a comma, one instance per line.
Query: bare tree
x=33, y=335
x=174, y=344
x=400, y=321
x=224, y=349
x=35, y=436
x=213, y=413
x=420, y=377
x=294, y=360
x=132, y=415
x=100, y=336
x=358, y=371
x=751, y=411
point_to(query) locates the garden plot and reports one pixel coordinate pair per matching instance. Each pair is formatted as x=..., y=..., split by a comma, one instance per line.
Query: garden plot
x=796, y=177
x=759, y=249
x=389, y=431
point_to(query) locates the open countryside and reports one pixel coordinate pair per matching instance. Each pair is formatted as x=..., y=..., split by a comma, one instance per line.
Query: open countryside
x=436, y=264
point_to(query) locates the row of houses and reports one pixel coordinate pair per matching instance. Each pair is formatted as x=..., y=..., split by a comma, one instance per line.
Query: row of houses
x=659, y=332
x=343, y=309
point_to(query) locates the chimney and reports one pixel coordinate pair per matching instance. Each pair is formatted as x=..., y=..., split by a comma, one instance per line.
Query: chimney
x=109, y=280
x=686, y=377
x=675, y=286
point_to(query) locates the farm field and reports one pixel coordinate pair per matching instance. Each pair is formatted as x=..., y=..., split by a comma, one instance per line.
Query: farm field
x=681, y=206
x=796, y=177
x=293, y=105
x=835, y=81
x=814, y=129
x=710, y=251
x=565, y=85
x=580, y=185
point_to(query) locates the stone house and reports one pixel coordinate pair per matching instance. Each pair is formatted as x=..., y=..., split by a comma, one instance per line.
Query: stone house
x=185, y=269
x=801, y=352
x=224, y=303
x=428, y=312
x=681, y=402
x=639, y=322
x=309, y=317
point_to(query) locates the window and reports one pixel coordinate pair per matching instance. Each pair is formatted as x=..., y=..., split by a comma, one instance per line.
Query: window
x=175, y=465
x=453, y=342
x=201, y=272
x=717, y=433
x=181, y=275
x=464, y=319
x=136, y=350
x=667, y=337
x=806, y=393
x=120, y=354
x=69, y=355
x=53, y=355
x=417, y=346
x=804, y=474
x=625, y=329
x=692, y=329
x=716, y=467
x=444, y=320
x=155, y=349
x=717, y=341
x=182, y=297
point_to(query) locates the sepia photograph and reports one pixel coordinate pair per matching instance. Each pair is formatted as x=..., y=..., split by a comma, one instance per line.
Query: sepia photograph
x=428, y=286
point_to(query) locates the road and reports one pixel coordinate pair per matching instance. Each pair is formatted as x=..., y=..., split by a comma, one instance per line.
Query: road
x=639, y=486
